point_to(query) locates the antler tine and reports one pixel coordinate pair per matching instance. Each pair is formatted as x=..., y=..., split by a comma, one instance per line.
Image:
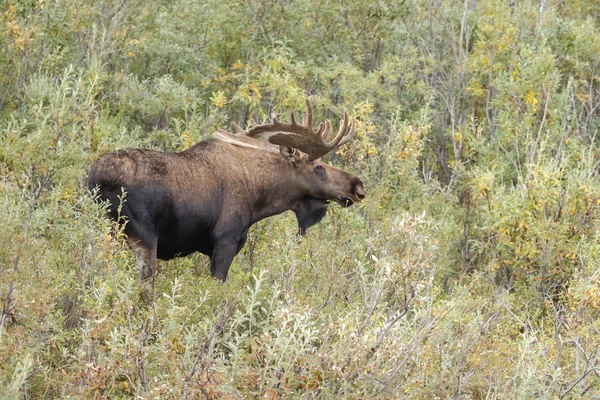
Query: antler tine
x=292, y=119
x=327, y=131
x=238, y=129
x=343, y=131
x=253, y=123
x=307, y=117
x=349, y=136
x=321, y=130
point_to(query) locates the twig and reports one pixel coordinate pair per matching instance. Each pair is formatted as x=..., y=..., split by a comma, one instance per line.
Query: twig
x=207, y=349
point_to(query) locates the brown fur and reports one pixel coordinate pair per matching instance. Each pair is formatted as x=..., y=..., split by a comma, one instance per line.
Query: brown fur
x=205, y=198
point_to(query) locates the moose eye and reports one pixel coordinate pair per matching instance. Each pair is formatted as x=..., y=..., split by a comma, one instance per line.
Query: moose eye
x=319, y=168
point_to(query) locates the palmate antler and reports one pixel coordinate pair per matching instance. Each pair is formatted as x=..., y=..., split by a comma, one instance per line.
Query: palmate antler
x=302, y=136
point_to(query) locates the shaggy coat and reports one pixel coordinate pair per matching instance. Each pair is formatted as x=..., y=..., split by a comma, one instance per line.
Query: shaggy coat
x=206, y=198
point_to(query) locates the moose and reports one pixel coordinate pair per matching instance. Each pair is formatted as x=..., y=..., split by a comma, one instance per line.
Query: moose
x=204, y=199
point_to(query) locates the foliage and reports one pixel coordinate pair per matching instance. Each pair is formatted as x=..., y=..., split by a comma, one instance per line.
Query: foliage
x=470, y=271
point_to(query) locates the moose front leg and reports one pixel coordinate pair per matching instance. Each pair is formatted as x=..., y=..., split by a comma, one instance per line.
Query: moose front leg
x=222, y=257
x=226, y=247
x=145, y=257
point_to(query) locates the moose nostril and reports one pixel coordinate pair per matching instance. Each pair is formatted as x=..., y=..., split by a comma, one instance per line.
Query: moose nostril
x=359, y=192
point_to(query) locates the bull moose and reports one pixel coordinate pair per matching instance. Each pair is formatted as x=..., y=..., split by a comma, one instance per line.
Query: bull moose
x=206, y=198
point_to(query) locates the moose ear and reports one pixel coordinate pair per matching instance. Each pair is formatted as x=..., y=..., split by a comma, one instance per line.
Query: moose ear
x=290, y=154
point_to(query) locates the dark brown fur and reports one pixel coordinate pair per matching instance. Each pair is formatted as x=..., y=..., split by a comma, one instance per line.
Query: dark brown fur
x=206, y=198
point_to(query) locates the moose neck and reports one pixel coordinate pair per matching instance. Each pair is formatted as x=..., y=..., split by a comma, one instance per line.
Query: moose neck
x=278, y=191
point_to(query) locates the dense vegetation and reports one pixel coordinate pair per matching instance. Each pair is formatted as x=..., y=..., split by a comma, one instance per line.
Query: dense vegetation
x=472, y=270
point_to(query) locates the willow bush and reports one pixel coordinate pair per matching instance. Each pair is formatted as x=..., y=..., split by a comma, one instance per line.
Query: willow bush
x=470, y=271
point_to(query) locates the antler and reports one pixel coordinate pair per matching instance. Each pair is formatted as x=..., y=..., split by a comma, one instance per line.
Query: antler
x=302, y=136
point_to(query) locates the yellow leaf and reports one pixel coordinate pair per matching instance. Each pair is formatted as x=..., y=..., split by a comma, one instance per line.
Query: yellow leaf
x=218, y=99
x=530, y=98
